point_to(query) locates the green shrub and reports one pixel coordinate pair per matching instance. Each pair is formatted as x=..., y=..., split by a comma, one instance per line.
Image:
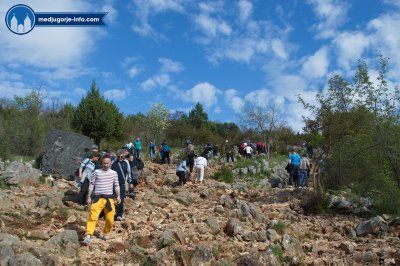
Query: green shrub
x=224, y=174
x=280, y=227
x=243, y=163
x=278, y=252
x=3, y=184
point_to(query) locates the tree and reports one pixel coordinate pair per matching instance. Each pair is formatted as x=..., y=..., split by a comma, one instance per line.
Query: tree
x=97, y=118
x=157, y=121
x=198, y=118
x=358, y=124
x=264, y=120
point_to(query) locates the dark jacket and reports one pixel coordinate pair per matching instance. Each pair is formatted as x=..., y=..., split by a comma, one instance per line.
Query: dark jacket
x=121, y=175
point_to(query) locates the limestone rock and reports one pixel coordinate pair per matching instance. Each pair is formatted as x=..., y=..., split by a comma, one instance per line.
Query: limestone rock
x=66, y=243
x=372, y=226
x=27, y=259
x=233, y=227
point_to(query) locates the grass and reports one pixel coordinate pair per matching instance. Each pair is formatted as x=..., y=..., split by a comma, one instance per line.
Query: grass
x=3, y=184
x=278, y=252
x=224, y=174
x=42, y=180
x=244, y=162
x=277, y=160
x=280, y=227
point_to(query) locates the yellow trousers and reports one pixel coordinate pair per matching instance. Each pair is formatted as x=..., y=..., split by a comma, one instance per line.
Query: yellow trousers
x=94, y=213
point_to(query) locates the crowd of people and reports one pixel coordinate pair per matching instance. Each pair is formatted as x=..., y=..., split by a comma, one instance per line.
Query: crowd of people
x=107, y=176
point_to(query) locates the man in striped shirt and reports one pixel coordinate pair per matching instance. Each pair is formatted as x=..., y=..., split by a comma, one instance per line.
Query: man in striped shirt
x=103, y=183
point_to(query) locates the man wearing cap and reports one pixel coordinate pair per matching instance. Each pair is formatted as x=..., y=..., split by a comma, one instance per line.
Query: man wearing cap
x=102, y=184
x=122, y=168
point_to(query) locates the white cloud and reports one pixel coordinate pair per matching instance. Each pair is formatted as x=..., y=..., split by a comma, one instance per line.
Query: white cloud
x=211, y=27
x=350, y=47
x=143, y=9
x=259, y=97
x=9, y=89
x=278, y=47
x=316, y=65
x=160, y=80
x=386, y=36
x=133, y=71
x=331, y=14
x=245, y=9
x=163, y=79
x=115, y=94
x=112, y=13
x=80, y=91
x=217, y=110
x=234, y=101
x=204, y=93
x=170, y=66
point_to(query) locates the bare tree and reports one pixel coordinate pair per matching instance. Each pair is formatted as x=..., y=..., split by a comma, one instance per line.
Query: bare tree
x=264, y=120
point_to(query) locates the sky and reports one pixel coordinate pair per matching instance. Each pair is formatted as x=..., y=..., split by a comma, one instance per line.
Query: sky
x=223, y=54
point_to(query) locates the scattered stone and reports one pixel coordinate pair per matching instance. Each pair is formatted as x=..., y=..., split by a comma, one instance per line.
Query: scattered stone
x=372, y=226
x=165, y=239
x=348, y=247
x=7, y=256
x=115, y=247
x=66, y=243
x=27, y=259
x=272, y=235
x=201, y=255
x=233, y=227
x=247, y=260
x=214, y=225
x=39, y=234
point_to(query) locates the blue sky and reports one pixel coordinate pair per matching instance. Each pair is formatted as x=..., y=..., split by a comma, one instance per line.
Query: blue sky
x=223, y=54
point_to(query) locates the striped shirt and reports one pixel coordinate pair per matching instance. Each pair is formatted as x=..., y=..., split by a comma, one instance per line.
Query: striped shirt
x=104, y=182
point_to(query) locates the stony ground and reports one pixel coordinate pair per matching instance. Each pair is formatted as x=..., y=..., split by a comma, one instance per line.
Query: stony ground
x=210, y=224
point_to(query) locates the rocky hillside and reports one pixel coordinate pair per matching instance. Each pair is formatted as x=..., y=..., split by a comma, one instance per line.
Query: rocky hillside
x=211, y=224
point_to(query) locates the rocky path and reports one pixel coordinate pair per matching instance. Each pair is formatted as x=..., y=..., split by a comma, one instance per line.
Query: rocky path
x=210, y=224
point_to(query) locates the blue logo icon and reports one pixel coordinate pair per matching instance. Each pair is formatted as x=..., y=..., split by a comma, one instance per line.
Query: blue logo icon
x=20, y=19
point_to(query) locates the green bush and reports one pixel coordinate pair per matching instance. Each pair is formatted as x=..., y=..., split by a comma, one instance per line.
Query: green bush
x=244, y=162
x=278, y=252
x=280, y=227
x=224, y=174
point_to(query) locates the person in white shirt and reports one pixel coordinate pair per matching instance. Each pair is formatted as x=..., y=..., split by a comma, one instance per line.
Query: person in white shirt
x=249, y=150
x=200, y=166
x=304, y=166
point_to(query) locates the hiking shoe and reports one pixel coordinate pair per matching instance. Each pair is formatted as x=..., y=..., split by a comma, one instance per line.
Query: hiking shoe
x=119, y=218
x=86, y=241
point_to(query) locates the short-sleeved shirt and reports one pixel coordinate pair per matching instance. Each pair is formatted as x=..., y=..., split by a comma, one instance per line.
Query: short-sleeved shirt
x=200, y=161
x=248, y=149
x=182, y=166
x=295, y=159
x=88, y=167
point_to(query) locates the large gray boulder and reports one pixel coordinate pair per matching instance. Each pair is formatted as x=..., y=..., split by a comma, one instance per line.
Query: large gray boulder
x=63, y=152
